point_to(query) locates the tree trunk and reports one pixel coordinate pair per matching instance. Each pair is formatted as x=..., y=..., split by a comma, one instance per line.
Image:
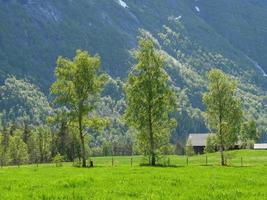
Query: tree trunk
x=83, y=151
x=222, y=155
x=221, y=142
x=153, y=160
x=152, y=142
x=82, y=142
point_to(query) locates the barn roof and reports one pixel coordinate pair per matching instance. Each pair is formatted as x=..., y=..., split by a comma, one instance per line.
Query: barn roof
x=198, y=139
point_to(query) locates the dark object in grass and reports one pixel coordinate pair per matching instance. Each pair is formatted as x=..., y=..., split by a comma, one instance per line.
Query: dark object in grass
x=91, y=163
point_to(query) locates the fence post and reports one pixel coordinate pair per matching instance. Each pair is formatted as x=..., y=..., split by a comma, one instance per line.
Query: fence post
x=187, y=160
x=112, y=161
x=131, y=161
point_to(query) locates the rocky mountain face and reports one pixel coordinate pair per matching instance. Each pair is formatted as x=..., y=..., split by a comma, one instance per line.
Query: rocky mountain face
x=195, y=36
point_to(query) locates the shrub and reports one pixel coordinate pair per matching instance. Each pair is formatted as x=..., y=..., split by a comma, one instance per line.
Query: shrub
x=77, y=162
x=58, y=160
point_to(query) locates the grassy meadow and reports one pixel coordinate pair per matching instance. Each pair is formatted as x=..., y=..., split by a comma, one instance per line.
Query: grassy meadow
x=125, y=180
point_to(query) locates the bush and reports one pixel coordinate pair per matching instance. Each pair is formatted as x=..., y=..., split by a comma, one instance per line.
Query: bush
x=77, y=162
x=58, y=160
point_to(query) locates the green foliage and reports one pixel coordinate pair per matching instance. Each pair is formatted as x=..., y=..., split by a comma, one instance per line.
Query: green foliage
x=66, y=138
x=167, y=149
x=43, y=141
x=22, y=103
x=77, y=86
x=188, y=61
x=249, y=131
x=211, y=145
x=192, y=43
x=34, y=149
x=249, y=144
x=117, y=132
x=150, y=99
x=189, y=150
x=58, y=160
x=17, y=150
x=224, y=113
x=4, y=147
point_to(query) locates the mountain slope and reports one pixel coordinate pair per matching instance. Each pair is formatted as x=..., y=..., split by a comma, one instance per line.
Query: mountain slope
x=242, y=23
x=33, y=32
x=195, y=36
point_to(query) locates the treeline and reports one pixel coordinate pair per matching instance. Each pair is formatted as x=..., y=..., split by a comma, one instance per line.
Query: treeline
x=82, y=121
x=36, y=145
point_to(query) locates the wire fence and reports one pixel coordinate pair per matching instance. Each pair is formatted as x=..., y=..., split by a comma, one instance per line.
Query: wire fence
x=231, y=159
x=172, y=161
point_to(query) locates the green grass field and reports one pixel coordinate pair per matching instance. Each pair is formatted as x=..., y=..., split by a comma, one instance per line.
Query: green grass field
x=123, y=181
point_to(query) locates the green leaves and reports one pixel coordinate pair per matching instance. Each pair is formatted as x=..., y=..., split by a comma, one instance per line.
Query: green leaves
x=249, y=131
x=150, y=98
x=17, y=150
x=77, y=80
x=224, y=113
x=77, y=87
x=23, y=102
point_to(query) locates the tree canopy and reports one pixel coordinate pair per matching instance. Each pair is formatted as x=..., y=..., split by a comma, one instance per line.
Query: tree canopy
x=150, y=100
x=22, y=102
x=224, y=113
x=76, y=88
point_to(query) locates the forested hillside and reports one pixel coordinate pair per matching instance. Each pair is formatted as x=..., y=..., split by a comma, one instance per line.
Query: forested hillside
x=33, y=32
x=194, y=36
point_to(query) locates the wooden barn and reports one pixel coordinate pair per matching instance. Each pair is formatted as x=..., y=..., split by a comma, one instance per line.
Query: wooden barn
x=199, y=141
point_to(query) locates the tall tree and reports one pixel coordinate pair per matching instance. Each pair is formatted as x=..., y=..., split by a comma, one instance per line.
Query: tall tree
x=150, y=100
x=44, y=143
x=224, y=112
x=33, y=149
x=26, y=133
x=78, y=83
x=18, y=150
